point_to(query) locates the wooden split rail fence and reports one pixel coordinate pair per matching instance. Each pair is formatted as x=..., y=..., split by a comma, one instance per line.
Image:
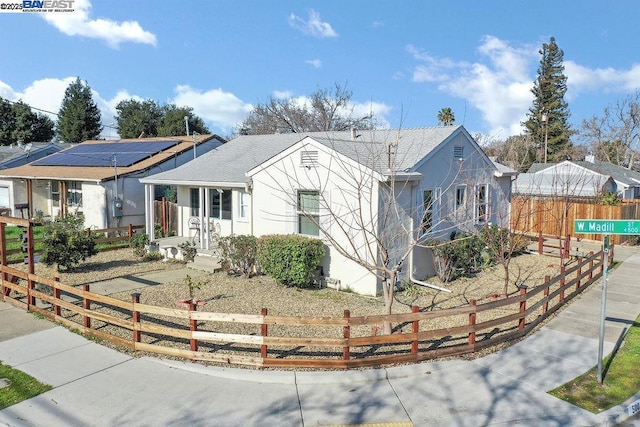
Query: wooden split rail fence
x=267, y=340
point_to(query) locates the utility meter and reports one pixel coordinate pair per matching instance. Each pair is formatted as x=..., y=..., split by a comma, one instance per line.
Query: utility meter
x=117, y=208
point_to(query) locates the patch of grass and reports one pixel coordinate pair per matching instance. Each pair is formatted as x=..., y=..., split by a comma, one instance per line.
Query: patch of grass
x=21, y=386
x=620, y=378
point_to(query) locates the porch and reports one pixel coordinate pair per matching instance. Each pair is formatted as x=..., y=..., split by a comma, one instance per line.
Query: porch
x=204, y=260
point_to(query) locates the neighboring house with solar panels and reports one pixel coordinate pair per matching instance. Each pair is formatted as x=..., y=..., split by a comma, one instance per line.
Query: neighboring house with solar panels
x=99, y=179
x=17, y=155
x=306, y=184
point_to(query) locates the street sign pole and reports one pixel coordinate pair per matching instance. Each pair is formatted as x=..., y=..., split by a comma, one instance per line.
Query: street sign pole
x=603, y=306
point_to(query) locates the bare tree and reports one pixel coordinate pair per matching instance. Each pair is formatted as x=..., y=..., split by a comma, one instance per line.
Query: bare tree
x=615, y=136
x=324, y=110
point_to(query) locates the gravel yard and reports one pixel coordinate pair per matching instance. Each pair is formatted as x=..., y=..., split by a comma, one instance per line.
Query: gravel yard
x=227, y=294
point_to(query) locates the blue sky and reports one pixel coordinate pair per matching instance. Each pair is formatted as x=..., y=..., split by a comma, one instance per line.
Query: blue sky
x=403, y=60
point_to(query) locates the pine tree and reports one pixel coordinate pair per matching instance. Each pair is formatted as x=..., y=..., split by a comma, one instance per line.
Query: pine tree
x=79, y=116
x=548, y=116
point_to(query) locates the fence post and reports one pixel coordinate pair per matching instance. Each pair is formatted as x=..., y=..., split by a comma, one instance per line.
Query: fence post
x=567, y=246
x=472, y=321
x=602, y=261
x=590, y=266
x=540, y=243
x=523, y=308
x=545, y=305
x=3, y=257
x=135, y=315
x=130, y=231
x=86, y=305
x=193, y=326
x=56, y=296
x=346, y=333
x=415, y=329
x=562, y=283
x=31, y=300
x=264, y=330
x=164, y=216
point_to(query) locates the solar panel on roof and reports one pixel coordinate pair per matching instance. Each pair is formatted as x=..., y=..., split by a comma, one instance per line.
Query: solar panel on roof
x=102, y=154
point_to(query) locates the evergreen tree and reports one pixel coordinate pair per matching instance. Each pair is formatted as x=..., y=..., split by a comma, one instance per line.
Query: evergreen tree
x=19, y=123
x=79, y=116
x=30, y=126
x=548, y=116
x=7, y=122
x=135, y=117
x=173, y=121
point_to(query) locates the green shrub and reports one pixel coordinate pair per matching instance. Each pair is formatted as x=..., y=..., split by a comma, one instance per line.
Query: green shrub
x=292, y=260
x=239, y=254
x=152, y=256
x=460, y=256
x=66, y=243
x=139, y=242
x=189, y=250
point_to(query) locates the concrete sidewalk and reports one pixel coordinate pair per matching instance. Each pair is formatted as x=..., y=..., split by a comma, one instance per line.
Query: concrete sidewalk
x=97, y=386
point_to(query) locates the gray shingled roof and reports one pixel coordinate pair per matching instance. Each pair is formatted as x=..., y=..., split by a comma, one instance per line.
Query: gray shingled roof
x=618, y=173
x=228, y=163
x=13, y=155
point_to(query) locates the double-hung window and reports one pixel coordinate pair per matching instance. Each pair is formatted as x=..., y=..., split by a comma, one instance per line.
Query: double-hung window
x=482, y=203
x=308, y=212
x=195, y=201
x=74, y=194
x=220, y=204
x=428, y=208
x=461, y=196
x=243, y=205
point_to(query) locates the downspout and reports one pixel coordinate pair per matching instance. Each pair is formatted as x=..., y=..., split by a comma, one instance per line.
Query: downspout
x=413, y=279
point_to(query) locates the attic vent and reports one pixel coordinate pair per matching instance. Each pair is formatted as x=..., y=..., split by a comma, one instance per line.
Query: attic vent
x=458, y=152
x=308, y=158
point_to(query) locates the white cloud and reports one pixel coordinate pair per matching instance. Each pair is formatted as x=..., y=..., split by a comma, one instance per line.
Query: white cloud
x=221, y=109
x=315, y=63
x=216, y=106
x=582, y=79
x=313, y=26
x=79, y=23
x=499, y=83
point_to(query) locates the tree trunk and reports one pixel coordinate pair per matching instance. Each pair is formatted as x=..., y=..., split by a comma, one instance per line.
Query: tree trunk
x=388, y=292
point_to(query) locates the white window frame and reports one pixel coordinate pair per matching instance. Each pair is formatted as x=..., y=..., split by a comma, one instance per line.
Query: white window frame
x=432, y=209
x=74, y=194
x=302, y=215
x=243, y=205
x=460, y=204
x=481, y=217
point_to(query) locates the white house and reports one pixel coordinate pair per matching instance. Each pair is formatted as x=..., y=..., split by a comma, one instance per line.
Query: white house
x=368, y=195
x=100, y=179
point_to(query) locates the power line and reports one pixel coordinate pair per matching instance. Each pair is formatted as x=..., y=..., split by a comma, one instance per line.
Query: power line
x=50, y=112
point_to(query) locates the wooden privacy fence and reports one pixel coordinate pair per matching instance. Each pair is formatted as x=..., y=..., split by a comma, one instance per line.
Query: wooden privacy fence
x=268, y=340
x=166, y=216
x=555, y=216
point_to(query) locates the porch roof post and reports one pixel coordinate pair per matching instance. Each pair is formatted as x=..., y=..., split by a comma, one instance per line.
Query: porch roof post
x=149, y=211
x=201, y=195
x=207, y=215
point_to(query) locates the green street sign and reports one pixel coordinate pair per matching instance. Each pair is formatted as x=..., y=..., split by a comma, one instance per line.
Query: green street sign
x=606, y=226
